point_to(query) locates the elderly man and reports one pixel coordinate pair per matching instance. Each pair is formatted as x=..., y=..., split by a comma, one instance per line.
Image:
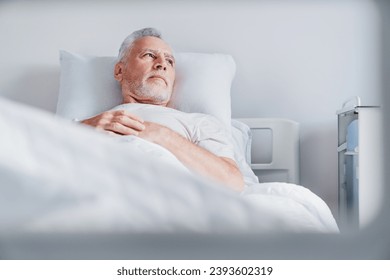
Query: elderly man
x=146, y=73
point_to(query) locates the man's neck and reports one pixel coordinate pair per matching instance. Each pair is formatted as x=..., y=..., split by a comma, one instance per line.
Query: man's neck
x=130, y=99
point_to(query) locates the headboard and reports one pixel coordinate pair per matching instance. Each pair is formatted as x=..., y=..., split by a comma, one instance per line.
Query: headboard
x=274, y=149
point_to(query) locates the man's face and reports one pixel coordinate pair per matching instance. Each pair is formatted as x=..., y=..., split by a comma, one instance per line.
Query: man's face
x=147, y=73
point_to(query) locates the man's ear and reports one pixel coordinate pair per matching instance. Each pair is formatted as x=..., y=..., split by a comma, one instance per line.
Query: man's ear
x=118, y=71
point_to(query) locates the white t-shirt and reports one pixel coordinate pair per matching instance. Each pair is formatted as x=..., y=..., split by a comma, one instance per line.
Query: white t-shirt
x=203, y=130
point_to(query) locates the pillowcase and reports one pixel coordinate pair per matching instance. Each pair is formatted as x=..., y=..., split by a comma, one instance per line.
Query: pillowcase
x=203, y=82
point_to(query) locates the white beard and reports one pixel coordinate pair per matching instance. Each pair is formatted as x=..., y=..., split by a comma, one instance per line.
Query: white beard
x=150, y=91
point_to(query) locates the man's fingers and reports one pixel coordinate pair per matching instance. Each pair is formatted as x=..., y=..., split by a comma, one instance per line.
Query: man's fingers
x=129, y=122
x=127, y=119
x=129, y=115
x=119, y=128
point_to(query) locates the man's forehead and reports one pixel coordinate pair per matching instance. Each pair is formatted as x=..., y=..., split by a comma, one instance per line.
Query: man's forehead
x=153, y=44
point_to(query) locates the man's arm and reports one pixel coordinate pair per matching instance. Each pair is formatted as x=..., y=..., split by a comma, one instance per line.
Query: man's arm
x=196, y=158
x=221, y=169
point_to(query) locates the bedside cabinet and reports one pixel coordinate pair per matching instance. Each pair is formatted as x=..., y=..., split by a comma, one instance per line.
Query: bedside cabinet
x=359, y=164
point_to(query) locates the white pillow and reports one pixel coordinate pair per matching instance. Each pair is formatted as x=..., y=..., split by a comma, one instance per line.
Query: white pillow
x=203, y=82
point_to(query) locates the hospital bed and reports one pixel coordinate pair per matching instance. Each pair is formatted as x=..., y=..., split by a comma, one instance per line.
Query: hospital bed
x=77, y=193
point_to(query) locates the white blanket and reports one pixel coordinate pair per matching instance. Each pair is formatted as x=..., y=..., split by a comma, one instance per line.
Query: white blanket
x=57, y=176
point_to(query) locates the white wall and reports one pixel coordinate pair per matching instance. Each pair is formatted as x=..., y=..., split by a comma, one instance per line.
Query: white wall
x=295, y=59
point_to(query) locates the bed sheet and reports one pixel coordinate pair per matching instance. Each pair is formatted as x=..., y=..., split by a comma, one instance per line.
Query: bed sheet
x=57, y=176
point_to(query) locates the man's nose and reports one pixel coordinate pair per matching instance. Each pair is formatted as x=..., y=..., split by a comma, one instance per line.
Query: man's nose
x=160, y=64
x=161, y=67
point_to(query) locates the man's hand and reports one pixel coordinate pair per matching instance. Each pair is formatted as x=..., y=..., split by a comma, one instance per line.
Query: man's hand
x=117, y=122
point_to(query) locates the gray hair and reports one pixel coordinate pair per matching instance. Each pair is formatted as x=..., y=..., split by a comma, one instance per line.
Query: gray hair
x=129, y=41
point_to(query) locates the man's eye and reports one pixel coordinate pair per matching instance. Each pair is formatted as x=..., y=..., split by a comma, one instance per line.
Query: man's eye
x=150, y=55
x=170, y=61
